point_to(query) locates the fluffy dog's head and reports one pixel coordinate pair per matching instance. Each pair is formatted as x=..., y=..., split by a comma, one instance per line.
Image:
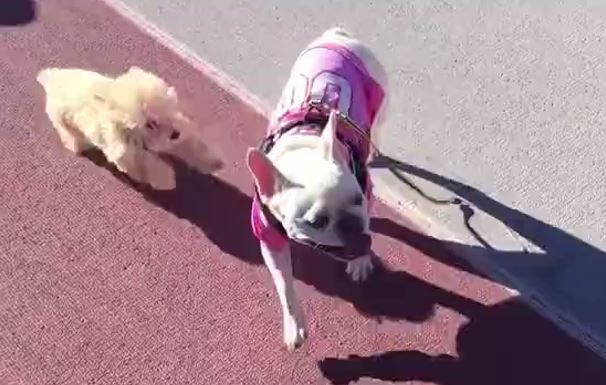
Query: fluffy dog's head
x=149, y=105
x=307, y=185
x=153, y=113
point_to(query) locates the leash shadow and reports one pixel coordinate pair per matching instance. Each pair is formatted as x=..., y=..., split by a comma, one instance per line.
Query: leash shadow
x=558, y=246
x=567, y=271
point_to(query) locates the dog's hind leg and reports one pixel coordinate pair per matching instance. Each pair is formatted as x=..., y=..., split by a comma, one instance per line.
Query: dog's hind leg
x=280, y=267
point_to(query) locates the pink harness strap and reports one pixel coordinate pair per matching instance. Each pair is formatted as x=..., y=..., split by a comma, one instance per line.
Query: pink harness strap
x=263, y=230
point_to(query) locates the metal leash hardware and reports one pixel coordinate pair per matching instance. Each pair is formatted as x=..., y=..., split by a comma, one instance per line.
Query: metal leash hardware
x=324, y=108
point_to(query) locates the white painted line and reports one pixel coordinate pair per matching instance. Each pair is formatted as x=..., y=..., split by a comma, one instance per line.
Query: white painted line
x=184, y=52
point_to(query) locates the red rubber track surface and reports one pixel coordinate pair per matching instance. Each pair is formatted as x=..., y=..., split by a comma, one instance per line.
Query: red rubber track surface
x=105, y=283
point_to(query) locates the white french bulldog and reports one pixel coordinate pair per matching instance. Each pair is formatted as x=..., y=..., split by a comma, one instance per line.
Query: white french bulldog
x=310, y=173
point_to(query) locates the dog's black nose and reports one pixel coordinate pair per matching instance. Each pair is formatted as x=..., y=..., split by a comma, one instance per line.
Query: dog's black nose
x=349, y=225
x=350, y=229
x=175, y=135
x=359, y=246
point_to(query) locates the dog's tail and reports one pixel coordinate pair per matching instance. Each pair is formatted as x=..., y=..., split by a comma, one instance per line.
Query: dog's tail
x=44, y=76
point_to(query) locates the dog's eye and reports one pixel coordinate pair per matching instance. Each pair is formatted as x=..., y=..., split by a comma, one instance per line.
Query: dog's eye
x=318, y=222
x=357, y=200
x=151, y=125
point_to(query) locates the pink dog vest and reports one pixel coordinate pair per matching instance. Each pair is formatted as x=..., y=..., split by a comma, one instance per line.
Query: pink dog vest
x=334, y=76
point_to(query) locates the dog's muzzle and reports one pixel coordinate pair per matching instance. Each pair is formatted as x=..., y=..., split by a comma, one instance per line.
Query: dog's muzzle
x=353, y=249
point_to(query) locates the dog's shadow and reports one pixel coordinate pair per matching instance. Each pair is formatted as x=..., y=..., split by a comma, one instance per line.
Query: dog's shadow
x=217, y=208
x=17, y=12
x=502, y=344
x=222, y=212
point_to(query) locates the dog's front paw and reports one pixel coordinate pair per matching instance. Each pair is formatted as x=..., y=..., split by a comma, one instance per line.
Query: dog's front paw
x=164, y=185
x=294, y=332
x=360, y=268
x=163, y=181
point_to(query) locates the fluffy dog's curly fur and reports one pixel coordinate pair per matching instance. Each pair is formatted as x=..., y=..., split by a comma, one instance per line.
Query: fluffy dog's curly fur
x=132, y=118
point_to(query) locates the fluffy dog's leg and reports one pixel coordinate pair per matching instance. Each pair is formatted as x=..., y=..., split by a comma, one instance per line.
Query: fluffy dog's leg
x=143, y=166
x=280, y=267
x=72, y=140
x=124, y=158
x=160, y=174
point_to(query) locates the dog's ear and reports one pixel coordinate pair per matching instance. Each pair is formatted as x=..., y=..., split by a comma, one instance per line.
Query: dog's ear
x=268, y=179
x=329, y=136
x=182, y=123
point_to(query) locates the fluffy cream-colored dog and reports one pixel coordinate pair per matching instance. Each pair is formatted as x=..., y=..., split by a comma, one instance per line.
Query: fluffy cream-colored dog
x=132, y=118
